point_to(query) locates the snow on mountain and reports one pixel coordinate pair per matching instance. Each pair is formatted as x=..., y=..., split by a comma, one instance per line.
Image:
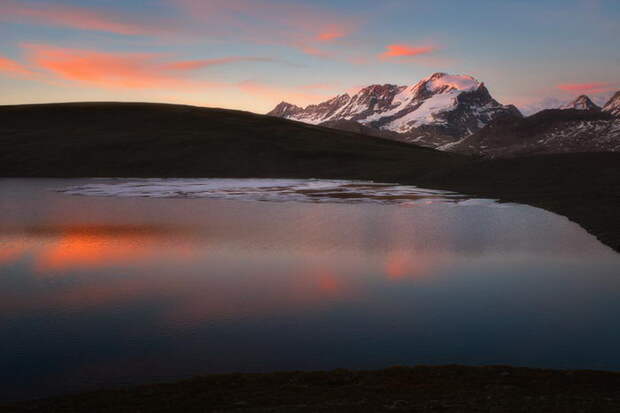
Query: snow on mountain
x=581, y=103
x=425, y=113
x=443, y=81
x=613, y=106
x=437, y=110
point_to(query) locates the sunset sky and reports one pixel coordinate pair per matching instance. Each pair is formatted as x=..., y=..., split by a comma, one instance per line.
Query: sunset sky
x=252, y=54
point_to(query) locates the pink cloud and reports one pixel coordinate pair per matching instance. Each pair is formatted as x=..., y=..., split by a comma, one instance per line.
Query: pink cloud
x=302, y=26
x=592, y=87
x=403, y=50
x=14, y=68
x=123, y=70
x=77, y=17
x=328, y=36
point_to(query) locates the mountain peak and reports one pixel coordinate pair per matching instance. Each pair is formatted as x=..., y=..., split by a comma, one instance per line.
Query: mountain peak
x=439, y=82
x=582, y=102
x=613, y=105
x=436, y=110
x=377, y=89
x=285, y=110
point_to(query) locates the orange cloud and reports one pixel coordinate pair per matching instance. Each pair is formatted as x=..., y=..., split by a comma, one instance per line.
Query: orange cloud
x=74, y=17
x=301, y=26
x=12, y=67
x=109, y=70
x=124, y=70
x=403, y=50
x=330, y=35
x=592, y=87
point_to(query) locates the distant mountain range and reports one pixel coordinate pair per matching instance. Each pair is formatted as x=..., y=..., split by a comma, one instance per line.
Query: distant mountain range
x=457, y=113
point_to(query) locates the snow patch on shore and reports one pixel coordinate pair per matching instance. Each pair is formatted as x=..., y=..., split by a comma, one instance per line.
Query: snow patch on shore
x=275, y=190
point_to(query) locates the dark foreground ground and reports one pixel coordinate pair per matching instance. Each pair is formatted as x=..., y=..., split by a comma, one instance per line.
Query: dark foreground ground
x=417, y=389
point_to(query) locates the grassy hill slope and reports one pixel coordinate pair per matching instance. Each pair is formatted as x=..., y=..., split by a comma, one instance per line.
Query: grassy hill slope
x=140, y=139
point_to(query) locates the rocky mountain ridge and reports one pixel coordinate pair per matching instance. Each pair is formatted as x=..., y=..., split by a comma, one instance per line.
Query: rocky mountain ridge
x=613, y=105
x=547, y=132
x=438, y=110
x=582, y=102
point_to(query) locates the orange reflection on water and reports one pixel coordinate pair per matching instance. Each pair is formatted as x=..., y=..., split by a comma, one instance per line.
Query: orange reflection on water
x=166, y=264
x=401, y=264
x=264, y=294
x=329, y=282
x=60, y=250
x=168, y=267
x=73, y=251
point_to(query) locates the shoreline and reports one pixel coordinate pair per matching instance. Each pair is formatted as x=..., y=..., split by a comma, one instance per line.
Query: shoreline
x=585, y=188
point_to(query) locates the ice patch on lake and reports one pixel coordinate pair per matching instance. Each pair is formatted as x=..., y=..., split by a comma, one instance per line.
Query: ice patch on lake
x=277, y=190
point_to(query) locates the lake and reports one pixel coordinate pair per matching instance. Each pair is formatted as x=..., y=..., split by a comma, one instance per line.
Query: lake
x=107, y=282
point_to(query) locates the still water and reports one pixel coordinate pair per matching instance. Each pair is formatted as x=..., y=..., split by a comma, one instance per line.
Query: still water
x=113, y=282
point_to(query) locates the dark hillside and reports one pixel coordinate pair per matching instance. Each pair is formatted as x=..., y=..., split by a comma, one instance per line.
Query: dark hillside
x=135, y=139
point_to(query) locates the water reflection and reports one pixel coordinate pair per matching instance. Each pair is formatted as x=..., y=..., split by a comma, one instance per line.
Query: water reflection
x=107, y=290
x=59, y=251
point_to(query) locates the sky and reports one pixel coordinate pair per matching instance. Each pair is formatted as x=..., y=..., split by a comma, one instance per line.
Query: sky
x=252, y=54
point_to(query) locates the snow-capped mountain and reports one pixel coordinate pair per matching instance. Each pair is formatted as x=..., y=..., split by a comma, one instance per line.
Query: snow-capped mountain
x=613, y=106
x=581, y=103
x=435, y=111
